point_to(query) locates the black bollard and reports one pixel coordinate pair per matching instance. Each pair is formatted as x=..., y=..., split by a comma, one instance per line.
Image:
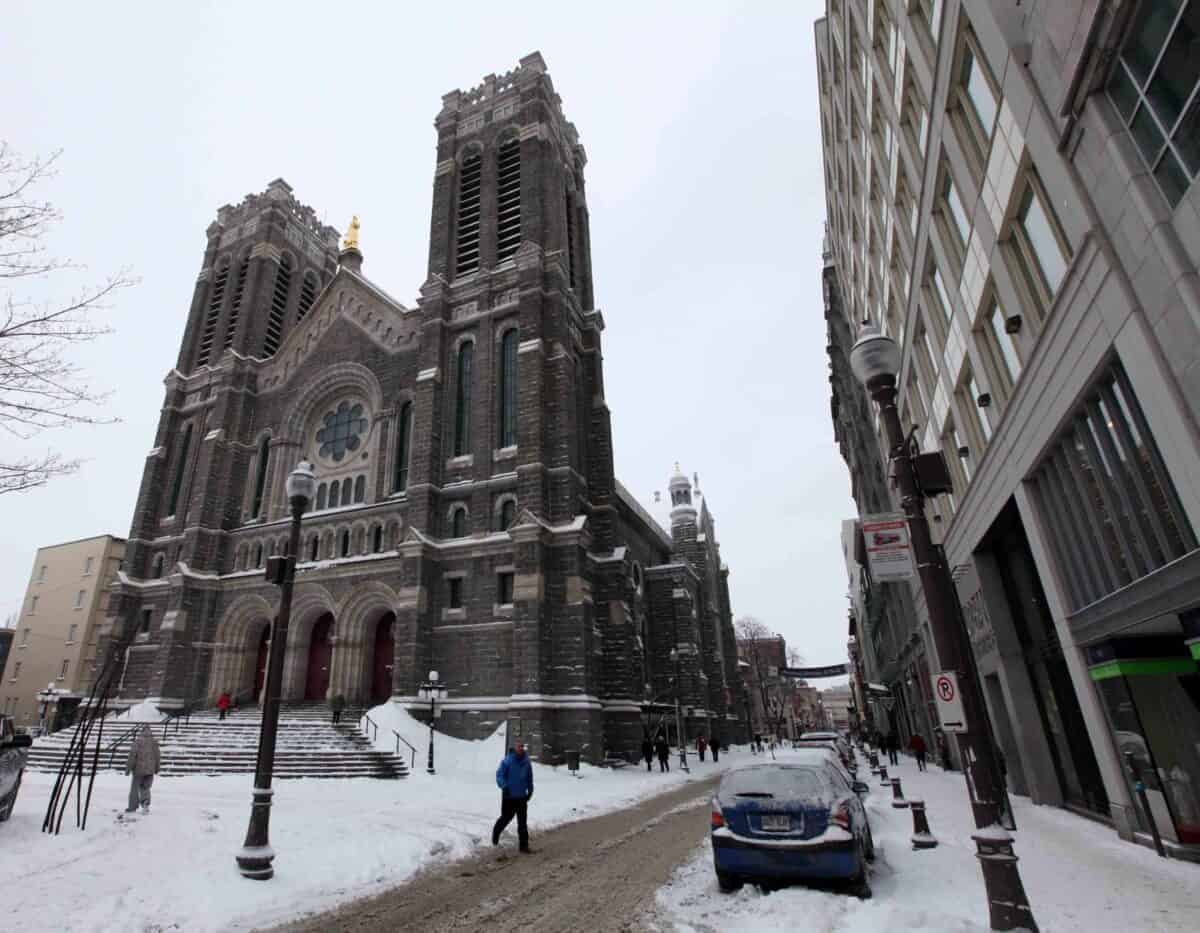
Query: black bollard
x=1010, y=911
x=922, y=838
x=884, y=780
x=898, y=801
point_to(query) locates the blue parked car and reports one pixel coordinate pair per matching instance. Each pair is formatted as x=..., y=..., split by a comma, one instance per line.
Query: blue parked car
x=781, y=822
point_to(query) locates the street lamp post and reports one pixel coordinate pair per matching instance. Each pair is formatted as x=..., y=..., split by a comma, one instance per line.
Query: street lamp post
x=45, y=698
x=683, y=765
x=875, y=359
x=255, y=857
x=432, y=690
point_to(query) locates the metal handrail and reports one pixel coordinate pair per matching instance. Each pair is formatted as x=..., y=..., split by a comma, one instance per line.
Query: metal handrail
x=374, y=727
x=399, y=739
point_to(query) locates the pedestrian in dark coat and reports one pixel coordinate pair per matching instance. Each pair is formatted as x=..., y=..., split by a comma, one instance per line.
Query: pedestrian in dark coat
x=514, y=777
x=663, y=750
x=337, y=704
x=143, y=763
x=223, y=702
x=918, y=747
x=648, y=751
x=893, y=748
x=716, y=748
x=701, y=745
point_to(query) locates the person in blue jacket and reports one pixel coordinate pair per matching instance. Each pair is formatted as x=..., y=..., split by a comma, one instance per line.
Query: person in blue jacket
x=514, y=777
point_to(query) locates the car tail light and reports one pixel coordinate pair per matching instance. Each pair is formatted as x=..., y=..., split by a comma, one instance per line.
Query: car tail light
x=841, y=816
x=718, y=818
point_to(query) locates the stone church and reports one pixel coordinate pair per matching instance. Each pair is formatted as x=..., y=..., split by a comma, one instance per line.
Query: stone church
x=467, y=518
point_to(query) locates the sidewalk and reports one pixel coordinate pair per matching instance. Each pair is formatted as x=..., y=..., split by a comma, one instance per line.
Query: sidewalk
x=1078, y=874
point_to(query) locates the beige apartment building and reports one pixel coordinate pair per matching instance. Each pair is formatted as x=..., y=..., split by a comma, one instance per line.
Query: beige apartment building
x=55, y=641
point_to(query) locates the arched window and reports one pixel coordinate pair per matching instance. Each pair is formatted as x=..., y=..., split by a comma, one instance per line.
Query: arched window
x=508, y=514
x=571, y=278
x=258, y=555
x=347, y=490
x=216, y=298
x=322, y=492
x=279, y=300
x=466, y=255
x=377, y=539
x=159, y=559
x=260, y=482
x=235, y=306
x=508, y=388
x=360, y=489
x=308, y=294
x=462, y=404
x=403, y=446
x=314, y=548
x=458, y=523
x=334, y=493
x=508, y=199
x=185, y=449
x=345, y=543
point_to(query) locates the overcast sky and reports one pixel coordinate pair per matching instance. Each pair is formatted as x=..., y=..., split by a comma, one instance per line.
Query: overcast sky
x=704, y=185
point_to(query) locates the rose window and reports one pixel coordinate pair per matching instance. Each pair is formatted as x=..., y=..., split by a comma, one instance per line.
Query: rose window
x=343, y=431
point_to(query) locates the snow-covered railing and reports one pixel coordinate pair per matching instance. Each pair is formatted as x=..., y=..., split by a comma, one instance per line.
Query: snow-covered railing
x=399, y=739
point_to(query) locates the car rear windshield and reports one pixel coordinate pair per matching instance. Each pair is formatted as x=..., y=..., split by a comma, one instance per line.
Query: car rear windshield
x=779, y=783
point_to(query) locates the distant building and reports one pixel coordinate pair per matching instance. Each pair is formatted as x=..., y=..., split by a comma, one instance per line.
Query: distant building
x=54, y=643
x=837, y=702
x=768, y=691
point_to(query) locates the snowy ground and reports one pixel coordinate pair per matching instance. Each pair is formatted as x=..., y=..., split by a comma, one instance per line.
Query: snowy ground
x=335, y=840
x=1078, y=875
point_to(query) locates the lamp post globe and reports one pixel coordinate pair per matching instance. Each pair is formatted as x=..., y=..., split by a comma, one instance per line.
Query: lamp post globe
x=301, y=483
x=874, y=355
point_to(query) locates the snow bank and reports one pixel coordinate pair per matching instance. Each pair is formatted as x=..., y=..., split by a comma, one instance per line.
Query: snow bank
x=459, y=756
x=145, y=711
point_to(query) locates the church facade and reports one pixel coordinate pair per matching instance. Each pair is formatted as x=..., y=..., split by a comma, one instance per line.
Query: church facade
x=467, y=518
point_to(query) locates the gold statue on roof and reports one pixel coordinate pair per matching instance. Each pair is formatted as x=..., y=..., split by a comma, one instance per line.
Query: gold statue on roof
x=351, y=239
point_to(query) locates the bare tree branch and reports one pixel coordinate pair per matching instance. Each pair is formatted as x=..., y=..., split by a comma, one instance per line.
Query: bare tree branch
x=40, y=386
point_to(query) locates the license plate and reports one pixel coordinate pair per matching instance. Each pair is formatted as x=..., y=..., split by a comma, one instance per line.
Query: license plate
x=776, y=824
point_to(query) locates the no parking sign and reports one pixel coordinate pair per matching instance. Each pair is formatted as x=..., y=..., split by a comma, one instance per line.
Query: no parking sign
x=949, y=702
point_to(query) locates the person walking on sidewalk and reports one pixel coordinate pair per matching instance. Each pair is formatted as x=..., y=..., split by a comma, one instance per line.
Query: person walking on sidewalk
x=514, y=777
x=647, y=751
x=917, y=746
x=893, y=748
x=337, y=704
x=701, y=745
x=716, y=748
x=223, y=702
x=143, y=764
x=663, y=751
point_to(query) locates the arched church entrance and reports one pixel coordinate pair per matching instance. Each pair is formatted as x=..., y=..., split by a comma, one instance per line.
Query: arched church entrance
x=260, y=662
x=383, y=658
x=320, y=653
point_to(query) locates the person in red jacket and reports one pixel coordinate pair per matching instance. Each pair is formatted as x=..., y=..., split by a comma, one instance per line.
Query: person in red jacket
x=701, y=746
x=223, y=702
x=917, y=746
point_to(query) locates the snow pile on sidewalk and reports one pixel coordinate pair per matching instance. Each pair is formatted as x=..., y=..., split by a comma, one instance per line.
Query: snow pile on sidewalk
x=1078, y=875
x=460, y=756
x=335, y=840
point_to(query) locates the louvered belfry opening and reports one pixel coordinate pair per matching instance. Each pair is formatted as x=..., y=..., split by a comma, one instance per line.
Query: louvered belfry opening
x=283, y=284
x=235, y=306
x=216, y=298
x=508, y=199
x=308, y=294
x=570, y=241
x=467, y=252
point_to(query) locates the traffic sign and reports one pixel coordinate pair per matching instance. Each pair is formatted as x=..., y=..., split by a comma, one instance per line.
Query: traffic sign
x=949, y=702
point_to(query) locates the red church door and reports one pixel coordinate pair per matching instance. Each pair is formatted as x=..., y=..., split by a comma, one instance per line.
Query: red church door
x=320, y=651
x=260, y=665
x=385, y=651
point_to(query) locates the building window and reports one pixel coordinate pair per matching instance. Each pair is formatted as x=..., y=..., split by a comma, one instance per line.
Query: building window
x=345, y=548
x=62, y=671
x=216, y=299
x=79, y=598
x=466, y=256
x=334, y=494
x=454, y=597
x=42, y=574
x=279, y=300
x=32, y=606
x=25, y=639
x=258, y=555
x=314, y=548
x=1002, y=347
x=180, y=465
x=931, y=15
x=322, y=494
x=71, y=633
x=940, y=297
x=87, y=567
x=1041, y=250
x=16, y=670
x=260, y=480
x=377, y=539
x=309, y=286
x=462, y=400
x=235, y=305
x=508, y=199
x=1154, y=87
x=958, y=213
x=403, y=447
x=1110, y=508
x=342, y=431
x=504, y=588
x=508, y=388
x=458, y=523
x=360, y=489
x=977, y=98
x=144, y=627
x=508, y=514
x=347, y=490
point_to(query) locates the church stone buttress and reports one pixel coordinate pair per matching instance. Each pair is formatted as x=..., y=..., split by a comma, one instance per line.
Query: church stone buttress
x=467, y=518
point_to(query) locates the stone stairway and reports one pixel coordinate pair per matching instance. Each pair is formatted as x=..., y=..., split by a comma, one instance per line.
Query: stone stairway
x=307, y=745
